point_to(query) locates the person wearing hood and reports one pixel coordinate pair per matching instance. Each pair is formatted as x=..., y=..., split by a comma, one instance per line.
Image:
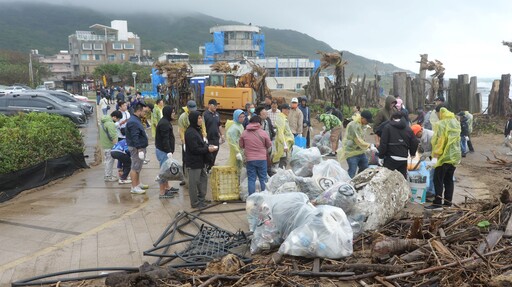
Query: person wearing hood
x=385, y=113
x=197, y=156
x=284, y=138
x=164, y=143
x=234, y=129
x=255, y=143
x=397, y=142
x=306, y=119
x=108, y=137
x=446, y=154
x=183, y=124
x=353, y=146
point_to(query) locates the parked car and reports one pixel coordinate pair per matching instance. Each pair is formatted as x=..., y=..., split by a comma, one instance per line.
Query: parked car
x=86, y=107
x=53, y=98
x=78, y=97
x=13, y=89
x=41, y=87
x=11, y=104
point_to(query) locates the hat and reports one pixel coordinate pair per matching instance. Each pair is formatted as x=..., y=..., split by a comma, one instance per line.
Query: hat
x=367, y=115
x=212, y=102
x=295, y=100
x=285, y=106
x=191, y=105
x=461, y=114
x=440, y=98
x=416, y=129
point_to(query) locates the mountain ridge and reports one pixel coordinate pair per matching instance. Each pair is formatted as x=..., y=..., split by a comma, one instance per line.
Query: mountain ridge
x=46, y=27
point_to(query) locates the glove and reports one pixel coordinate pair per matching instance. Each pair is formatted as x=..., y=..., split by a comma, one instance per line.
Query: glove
x=380, y=161
x=184, y=148
x=434, y=160
x=239, y=157
x=467, y=138
x=169, y=155
x=373, y=148
x=509, y=137
x=205, y=140
x=141, y=155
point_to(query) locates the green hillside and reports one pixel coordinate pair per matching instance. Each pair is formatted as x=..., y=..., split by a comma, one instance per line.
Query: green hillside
x=46, y=27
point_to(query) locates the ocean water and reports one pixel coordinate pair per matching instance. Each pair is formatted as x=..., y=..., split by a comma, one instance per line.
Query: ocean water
x=484, y=86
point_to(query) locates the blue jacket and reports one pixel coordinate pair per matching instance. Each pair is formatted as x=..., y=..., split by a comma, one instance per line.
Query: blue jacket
x=121, y=146
x=135, y=133
x=307, y=114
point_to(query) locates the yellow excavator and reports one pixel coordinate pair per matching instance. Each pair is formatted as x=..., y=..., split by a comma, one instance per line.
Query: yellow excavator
x=223, y=88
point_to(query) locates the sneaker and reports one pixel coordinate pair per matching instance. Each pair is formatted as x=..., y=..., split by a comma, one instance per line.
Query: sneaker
x=157, y=178
x=110, y=178
x=167, y=194
x=172, y=190
x=143, y=186
x=434, y=207
x=332, y=154
x=124, y=181
x=137, y=190
x=182, y=183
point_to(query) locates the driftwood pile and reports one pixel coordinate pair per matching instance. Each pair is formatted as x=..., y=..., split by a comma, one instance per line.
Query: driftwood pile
x=177, y=85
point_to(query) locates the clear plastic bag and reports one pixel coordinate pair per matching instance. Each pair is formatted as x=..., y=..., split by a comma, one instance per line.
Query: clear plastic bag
x=341, y=194
x=303, y=160
x=331, y=169
x=313, y=186
x=244, y=188
x=326, y=233
x=322, y=142
x=277, y=180
x=170, y=170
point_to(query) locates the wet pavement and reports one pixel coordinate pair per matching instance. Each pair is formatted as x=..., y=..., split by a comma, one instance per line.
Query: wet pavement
x=83, y=222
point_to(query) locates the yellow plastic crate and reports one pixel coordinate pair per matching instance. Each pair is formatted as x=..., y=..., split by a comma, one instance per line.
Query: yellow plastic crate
x=225, y=183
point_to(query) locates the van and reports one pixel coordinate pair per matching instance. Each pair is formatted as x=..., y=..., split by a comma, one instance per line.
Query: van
x=50, y=85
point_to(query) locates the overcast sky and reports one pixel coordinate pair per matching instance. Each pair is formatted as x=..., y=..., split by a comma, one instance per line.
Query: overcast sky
x=465, y=35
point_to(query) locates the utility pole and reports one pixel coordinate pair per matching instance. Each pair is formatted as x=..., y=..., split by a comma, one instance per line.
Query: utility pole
x=30, y=71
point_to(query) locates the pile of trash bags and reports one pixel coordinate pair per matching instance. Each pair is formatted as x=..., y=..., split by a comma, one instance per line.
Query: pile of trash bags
x=322, y=142
x=315, y=209
x=290, y=221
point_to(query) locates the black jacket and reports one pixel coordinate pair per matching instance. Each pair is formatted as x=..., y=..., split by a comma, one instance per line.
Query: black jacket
x=397, y=139
x=508, y=127
x=196, y=149
x=464, y=127
x=164, y=138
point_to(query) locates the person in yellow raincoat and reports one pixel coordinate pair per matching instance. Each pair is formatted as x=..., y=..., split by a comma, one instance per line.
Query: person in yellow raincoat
x=446, y=153
x=183, y=124
x=156, y=115
x=234, y=129
x=353, y=146
x=284, y=138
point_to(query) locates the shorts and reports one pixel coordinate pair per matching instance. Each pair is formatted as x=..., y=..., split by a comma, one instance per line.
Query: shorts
x=136, y=161
x=335, y=134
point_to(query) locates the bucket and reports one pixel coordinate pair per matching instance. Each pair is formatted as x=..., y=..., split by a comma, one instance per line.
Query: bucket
x=418, y=192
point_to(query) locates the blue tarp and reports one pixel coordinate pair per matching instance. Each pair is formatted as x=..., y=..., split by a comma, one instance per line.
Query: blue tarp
x=218, y=41
x=209, y=51
x=316, y=65
x=259, y=40
x=277, y=67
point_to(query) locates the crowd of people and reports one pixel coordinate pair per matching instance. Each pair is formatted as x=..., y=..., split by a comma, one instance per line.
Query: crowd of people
x=261, y=138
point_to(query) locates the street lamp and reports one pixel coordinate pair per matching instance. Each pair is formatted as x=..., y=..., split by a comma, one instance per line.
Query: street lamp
x=134, y=75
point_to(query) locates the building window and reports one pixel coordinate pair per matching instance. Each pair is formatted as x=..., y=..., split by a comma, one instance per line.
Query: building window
x=84, y=57
x=279, y=86
x=129, y=46
x=97, y=57
x=117, y=46
x=86, y=46
x=298, y=86
x=112, y=57
x=98, y=47
x=122, y=57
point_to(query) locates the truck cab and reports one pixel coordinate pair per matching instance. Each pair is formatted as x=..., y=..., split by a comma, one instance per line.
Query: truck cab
x=222, y=87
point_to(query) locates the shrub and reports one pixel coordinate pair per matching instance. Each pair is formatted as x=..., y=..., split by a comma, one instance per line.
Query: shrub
x=28, y=139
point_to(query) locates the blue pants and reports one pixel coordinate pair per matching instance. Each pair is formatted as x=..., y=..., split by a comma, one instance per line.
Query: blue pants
x=256, y=167
x=161, y=156
x=463, y=144
x=356, y=161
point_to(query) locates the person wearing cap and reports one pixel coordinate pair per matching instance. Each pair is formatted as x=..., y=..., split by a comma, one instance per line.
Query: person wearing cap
x=137, y=142
x=446, y=154
x=183, y=124
x=284, y=138
x=397, y=142
x=425, y=147
x=353, y=146
x=156, y=115
x=333, y=125
x=306, y=119
x=273, y=111
x=295, y=118
x=234, y=129
x=211, y=120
